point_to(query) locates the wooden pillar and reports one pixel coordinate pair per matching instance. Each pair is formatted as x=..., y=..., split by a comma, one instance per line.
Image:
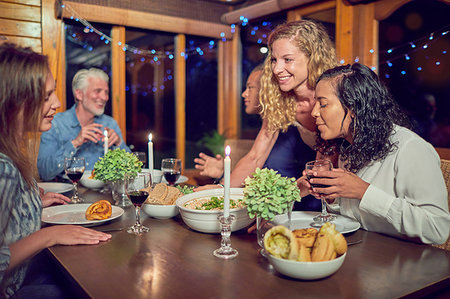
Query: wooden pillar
x=53, y=45
x=180, y=96
x=118, y=78
x=229, y=87
x=356, y=33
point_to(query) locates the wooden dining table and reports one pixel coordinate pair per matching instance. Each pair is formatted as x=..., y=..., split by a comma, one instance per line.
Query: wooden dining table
x=173, y=261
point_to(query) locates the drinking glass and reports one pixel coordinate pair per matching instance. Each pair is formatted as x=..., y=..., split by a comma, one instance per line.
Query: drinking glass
x=322, y=165
x=171, y=168
x=136, y=189
x=74, y=168
x=142, y=157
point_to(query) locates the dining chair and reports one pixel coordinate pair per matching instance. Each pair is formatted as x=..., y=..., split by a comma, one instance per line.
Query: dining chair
x=445, y=167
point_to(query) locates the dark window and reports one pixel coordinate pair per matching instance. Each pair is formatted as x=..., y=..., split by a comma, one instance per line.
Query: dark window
x=414, y=64
x=86, y=49
x=150, y=94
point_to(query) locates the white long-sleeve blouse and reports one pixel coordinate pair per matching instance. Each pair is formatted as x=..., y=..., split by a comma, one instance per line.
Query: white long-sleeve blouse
x=407, y=195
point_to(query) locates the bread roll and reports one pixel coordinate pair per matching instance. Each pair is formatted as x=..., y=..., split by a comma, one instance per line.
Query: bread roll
x=99, y=210
x=305, y=236
x=304, y=253
x=280, y=242
x=339, y=242
x=323, y=248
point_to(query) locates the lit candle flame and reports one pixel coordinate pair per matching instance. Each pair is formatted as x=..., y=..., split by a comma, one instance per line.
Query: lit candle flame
x=227, y=150
x=105, y=133
x=150, y=137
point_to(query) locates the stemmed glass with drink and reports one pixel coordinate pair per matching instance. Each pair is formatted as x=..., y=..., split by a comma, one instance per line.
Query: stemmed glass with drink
x=311, y=167
x=171, y=169
x=74, y=168
x=136, y=190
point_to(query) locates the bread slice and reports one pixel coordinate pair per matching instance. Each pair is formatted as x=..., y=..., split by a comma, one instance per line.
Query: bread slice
x=172, y=195
x=158, y=194
x=306, y=236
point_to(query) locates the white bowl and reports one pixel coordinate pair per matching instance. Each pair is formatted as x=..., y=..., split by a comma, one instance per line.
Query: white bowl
x=306, y=270
x=91, y=183
x=160, y=211
x=156, y=175
x=206, y=221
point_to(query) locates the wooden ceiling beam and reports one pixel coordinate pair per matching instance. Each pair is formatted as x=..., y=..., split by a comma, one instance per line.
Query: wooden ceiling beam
x=144, y=20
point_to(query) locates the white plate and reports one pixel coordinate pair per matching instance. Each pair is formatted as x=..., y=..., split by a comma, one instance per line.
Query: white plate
x=74, y=214
x=55, y=187
x=300, y=219
x=181, y=179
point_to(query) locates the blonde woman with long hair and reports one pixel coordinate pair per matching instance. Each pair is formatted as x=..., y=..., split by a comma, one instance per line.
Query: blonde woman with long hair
x=299, y=52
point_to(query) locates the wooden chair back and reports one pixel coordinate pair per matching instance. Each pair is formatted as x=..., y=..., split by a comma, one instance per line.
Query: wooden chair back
x=445, y=167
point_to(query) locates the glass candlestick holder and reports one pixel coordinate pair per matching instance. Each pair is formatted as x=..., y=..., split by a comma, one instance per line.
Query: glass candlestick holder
x=225, y=251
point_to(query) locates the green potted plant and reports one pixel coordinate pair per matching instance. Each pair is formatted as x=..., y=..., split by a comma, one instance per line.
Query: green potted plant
x=112, y=168
x=213, y=141
x=267, y=194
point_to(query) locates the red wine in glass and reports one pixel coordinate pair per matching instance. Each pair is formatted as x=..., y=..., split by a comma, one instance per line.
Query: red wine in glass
x=171, y=176
x=74, y=175
x=74, y=168
x=315, y=185
x=311, y=167
x=138, y=197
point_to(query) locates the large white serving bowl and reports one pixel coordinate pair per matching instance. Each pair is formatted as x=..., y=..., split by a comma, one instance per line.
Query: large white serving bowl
x=160, y=211
x=306, y=270
x=206, y=221
x=90, y=183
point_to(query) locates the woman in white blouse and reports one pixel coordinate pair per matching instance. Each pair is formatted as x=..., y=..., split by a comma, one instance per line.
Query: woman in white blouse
x=389, y=179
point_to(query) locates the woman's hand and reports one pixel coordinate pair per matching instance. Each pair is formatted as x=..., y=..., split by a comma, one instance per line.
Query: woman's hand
x=50, y=198
x=74, y=235
x=210, y=166
x=340, y=183
x=304, y=186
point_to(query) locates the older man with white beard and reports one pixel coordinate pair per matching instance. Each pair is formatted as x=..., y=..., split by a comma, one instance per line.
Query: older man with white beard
x=79, y=131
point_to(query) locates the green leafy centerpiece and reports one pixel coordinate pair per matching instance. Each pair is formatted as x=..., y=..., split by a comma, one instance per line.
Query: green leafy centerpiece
x=115, y=164
x=112, y=168
x=268, y=194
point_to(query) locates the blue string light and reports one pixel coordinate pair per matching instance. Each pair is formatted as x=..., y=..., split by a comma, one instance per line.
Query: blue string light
x=125, y=47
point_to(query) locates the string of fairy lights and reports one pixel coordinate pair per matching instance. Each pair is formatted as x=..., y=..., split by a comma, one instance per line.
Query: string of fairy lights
x=391, y=56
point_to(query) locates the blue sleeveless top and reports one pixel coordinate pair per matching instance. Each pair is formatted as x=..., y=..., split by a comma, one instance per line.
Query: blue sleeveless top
x=289, y=156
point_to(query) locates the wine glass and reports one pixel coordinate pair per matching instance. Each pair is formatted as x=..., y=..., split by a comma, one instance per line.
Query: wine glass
x=136, y=188
x=171, y=168
x=74, y=168
x=320, y=165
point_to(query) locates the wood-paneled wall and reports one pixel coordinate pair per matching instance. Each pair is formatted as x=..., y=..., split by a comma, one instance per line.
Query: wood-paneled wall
x=20, y=23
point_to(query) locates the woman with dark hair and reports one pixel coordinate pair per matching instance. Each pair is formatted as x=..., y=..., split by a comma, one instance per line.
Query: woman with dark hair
x=389, y=179
x=27, y=105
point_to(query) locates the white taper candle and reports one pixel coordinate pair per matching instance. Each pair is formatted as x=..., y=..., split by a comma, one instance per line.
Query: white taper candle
x=226, y=185
x=105, y=143
x=150, y=154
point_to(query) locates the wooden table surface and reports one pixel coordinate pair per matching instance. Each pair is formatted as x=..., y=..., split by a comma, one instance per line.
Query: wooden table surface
x=173, y=261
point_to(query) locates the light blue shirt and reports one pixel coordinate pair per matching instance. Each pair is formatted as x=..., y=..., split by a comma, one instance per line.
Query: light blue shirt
x=56, y=144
